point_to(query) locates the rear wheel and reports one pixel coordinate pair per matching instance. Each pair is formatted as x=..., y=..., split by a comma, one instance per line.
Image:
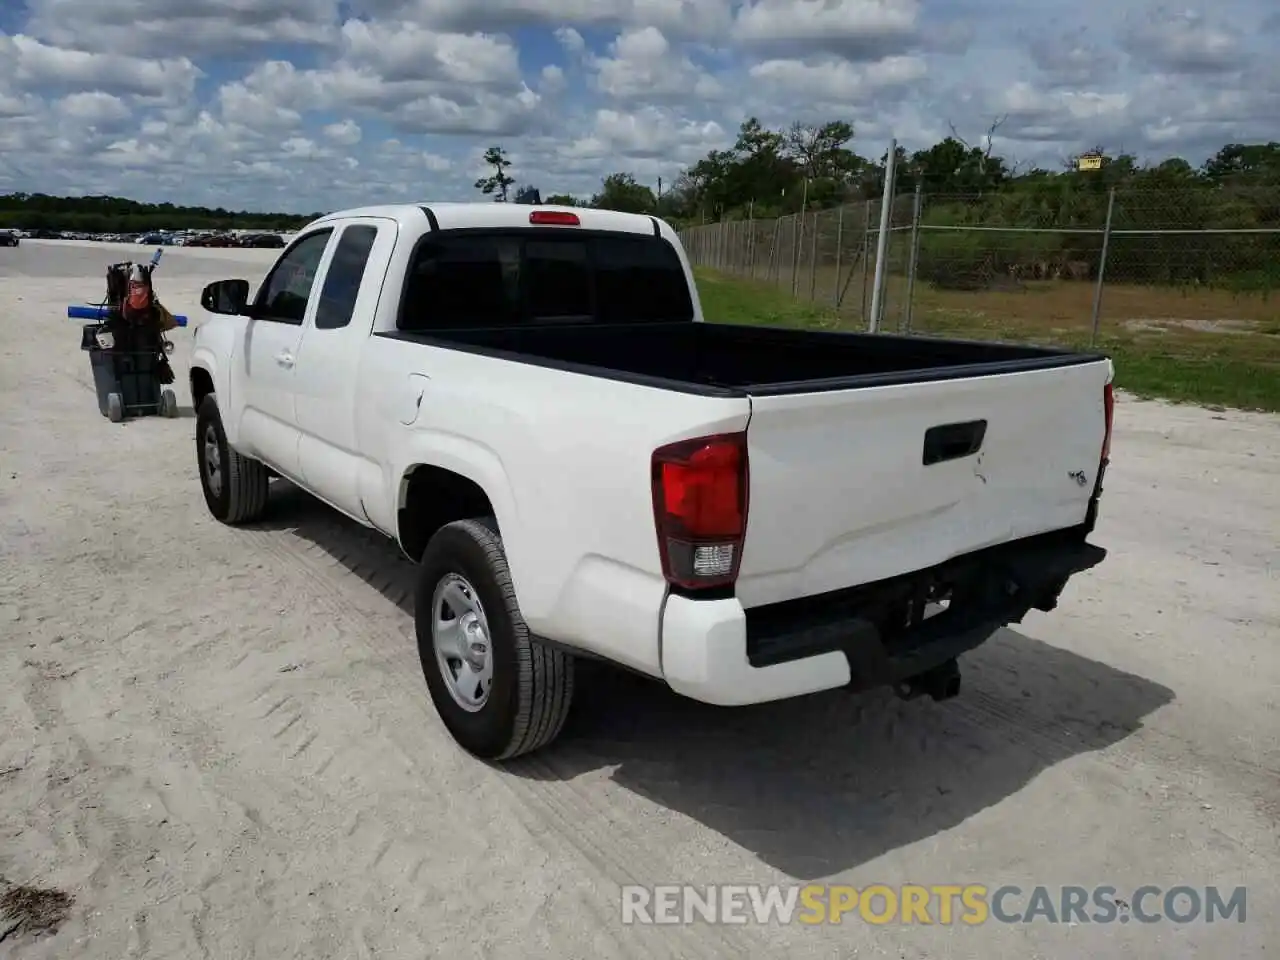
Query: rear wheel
x=498, y=690
x=168, y=404
x=235, y=486
x=115, y=407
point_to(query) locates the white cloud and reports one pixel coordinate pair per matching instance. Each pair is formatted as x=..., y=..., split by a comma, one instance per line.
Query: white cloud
x=94, y=109
x=192, y=28
x=571, y=40
x=1185, y=41
x=859, y=29
x=683, y=17
x=345, y=133
x=643, y=65
x=833, y=81
x=36, y=64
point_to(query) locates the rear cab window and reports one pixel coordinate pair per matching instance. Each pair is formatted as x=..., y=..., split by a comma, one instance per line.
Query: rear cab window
x=484, y=279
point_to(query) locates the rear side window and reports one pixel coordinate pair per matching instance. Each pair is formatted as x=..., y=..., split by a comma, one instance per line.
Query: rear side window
x=476, y=279
x=342, y=281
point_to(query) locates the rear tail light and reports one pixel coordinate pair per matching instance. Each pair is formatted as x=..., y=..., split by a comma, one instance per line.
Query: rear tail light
x=1109, y=406
x=554, y=218
x=700, y=509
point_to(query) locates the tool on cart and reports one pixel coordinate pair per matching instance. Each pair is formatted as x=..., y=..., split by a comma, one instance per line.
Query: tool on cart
x=127, y=347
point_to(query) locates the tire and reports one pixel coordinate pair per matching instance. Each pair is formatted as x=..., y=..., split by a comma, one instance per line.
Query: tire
x=168, y=404
x=235, y=488
x=115, y=407
x=531, y=686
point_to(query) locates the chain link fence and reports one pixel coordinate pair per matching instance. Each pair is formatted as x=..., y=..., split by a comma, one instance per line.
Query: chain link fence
x=1043, y=264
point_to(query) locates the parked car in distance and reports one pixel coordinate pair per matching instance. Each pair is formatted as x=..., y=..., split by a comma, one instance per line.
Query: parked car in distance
x=529, y=402
x=262, y=241
x=9, y=238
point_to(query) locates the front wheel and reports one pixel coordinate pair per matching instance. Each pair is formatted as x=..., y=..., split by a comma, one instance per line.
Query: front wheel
x=235, y=486
x=498, y=690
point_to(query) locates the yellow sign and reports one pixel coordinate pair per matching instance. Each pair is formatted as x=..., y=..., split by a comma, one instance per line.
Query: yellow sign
x=1089, y=163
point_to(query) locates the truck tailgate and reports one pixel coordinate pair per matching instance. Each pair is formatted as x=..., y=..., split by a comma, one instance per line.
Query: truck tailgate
x=857, y=485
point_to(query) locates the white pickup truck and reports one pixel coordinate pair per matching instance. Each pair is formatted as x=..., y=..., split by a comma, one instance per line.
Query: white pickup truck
x=527, y=400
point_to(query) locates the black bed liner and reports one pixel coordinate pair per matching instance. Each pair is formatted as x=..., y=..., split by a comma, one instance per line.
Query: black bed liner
x=735, y=360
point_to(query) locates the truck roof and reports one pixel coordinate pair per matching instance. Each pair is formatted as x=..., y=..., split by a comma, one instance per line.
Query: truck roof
x=453, y=216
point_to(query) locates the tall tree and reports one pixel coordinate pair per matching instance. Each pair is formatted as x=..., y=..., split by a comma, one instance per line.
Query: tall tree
x=621, y=192
x=499, y=182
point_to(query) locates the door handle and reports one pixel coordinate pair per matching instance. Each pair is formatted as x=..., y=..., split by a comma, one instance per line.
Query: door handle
x=952, y=441
x=285, y=359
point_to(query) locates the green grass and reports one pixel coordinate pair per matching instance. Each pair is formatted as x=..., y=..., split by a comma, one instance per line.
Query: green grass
x=1177, y=363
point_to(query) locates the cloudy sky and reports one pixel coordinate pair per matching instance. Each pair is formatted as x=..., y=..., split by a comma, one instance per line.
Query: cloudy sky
x=308, y=105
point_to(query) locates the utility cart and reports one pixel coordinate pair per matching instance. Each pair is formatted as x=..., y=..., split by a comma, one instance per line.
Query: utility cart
x=127, y=347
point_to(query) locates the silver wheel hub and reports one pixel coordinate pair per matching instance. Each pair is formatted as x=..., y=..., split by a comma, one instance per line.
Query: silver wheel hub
x=460, y=635
x=212, y=461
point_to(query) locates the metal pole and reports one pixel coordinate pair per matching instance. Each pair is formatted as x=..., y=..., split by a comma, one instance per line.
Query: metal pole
x=1102, y=267
x=882, y=241
x=813, y=257
x=797, y=234
x=915, y=255
x=771, y=267
x=835, y=290
x=865, y=255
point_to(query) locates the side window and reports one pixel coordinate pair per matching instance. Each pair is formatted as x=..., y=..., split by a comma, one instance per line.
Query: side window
x=463, y=281
x=343, y=278
x=285, y=292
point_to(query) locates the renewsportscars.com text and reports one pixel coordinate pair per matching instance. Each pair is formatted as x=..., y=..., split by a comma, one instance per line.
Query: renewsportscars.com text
x=944, y=904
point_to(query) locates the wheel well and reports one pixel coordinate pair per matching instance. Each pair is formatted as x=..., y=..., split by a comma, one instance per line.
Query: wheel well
x=433, y=497
x=201, y=386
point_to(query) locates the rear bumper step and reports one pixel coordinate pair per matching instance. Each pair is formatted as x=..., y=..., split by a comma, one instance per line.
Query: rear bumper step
x=882, y=628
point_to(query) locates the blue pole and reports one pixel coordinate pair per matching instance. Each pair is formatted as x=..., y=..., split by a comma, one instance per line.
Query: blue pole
x=102, y=312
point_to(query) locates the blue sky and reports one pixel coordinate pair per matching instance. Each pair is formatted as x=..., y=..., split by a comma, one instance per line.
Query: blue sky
x=313, y=104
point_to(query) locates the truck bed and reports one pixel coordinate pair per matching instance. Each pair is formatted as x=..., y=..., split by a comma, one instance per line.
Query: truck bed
x=961, y=446
x=760, y=361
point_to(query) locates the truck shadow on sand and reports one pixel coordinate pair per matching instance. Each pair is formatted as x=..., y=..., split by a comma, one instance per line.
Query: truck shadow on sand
x=821, y=784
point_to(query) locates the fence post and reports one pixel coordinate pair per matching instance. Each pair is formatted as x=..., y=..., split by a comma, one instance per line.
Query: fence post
x=913, y=256
x=797, y=234
x=866, y=255
x=882, y=240
x=813, y=256
x=835, y=290
x=1102, y=268
x=797, y=241
x=770, y=267
x=751, y=239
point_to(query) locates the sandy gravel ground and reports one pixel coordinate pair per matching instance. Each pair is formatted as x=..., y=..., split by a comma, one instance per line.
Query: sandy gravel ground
x=219, y=742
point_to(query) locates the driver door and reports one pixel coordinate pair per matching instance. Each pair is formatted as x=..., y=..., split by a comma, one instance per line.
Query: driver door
x=269, y=424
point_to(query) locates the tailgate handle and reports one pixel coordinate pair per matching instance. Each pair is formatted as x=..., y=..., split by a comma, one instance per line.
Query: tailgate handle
x=951, y=441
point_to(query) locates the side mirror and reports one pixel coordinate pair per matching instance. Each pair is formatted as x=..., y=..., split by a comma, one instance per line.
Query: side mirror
x=229, y=297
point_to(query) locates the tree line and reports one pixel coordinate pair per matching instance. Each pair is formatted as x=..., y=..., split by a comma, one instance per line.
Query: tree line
x=103, y=214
